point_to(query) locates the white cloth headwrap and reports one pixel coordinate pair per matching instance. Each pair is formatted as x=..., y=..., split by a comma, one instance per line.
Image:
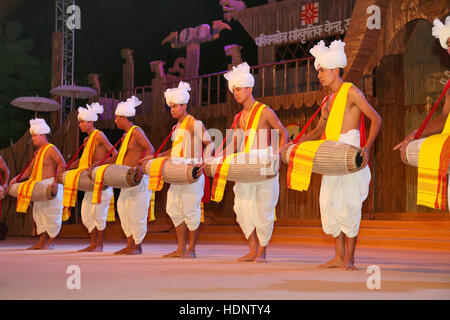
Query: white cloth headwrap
x=178, y=95
x=90, y=112
x=240, y=77
x=38, y=126
x=127, y=108
x=441, y=31
x=329, y=57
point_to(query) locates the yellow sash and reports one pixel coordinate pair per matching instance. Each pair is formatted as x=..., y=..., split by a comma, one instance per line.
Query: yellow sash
x=251, y=129
x=26, y=188
x=124, y=146
x=434, y=156
x=301, y=163
x=98, y=184
x=73, y=176
x=156, y=181
x=177, y=146
x=97, y=194
x=220, y=182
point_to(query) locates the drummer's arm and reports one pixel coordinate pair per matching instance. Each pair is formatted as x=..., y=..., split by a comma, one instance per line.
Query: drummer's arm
x=275, y=123
x=357, y=98
x=26, y=174
x=436, y=125
x=143, y=141
x=58, y=159
x=73, y=165
x=107, y=146
x=164, y=154
x=317, y=132
x=206, y=140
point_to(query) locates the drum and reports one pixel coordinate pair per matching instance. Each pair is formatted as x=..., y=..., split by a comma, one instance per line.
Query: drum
x=410, y=153
x=120, y=176
x=255, y=166
x=333, y=158
x=85, y=183
x=42, y=191
x=175, y=172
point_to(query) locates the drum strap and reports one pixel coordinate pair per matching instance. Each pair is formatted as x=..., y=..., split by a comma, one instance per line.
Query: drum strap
x=302, y=155
x=310, y=120
x=424, y=124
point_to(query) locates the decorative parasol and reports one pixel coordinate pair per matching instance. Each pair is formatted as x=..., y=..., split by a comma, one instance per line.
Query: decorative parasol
x=36, y=104
x=74, y=91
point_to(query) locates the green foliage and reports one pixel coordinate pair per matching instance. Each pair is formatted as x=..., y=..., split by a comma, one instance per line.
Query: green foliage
x=21, y=74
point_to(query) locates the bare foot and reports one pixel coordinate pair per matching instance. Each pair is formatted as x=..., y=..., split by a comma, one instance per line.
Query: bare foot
x=88, y=249
x=134, y=250
x=335, y=263
x=349, y=264
x=123, y=251
x=250, y=257
x=49, y=246
x=189, y=255
x=176, y=254
x=37, y=246
x=261, y=255
x=98, y=249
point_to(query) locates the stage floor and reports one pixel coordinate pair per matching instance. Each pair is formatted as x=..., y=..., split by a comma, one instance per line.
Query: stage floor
x=291, y=273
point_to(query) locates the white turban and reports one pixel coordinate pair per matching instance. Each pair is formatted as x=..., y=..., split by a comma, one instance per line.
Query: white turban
x=240, y=77
x=90, y=112
x=38, y=126
x=178, y=95
x=441, y=31
x=329, y=58
x=127, y=108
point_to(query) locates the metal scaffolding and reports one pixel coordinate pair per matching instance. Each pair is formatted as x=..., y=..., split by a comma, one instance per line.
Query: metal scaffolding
x=68, y=51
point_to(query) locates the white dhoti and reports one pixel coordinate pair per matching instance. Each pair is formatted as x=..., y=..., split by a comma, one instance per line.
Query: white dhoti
x=132, y=206
x=48, y=214
x=184, y=203
x=254, y=205
x=341, y=197
x=95, y=215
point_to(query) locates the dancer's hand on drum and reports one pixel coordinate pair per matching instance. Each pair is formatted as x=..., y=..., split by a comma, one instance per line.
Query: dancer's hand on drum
x=286, y=146
x=407, y=140
x=90, y=171
x=54, y=187
x=13, y=180
x=201, y=168
x=365, y=152
x=147, y=158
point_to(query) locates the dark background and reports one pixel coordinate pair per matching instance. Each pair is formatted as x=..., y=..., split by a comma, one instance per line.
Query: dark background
x=107, y=26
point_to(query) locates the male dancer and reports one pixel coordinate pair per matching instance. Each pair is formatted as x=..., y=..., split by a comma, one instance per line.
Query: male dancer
x=96, y=148
x=341, y=197
x=133, y=203
x=254, y=203
x=46, y=164
x=184, y=201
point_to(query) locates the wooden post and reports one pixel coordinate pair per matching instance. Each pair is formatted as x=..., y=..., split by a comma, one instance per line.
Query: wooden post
x=308, y=88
